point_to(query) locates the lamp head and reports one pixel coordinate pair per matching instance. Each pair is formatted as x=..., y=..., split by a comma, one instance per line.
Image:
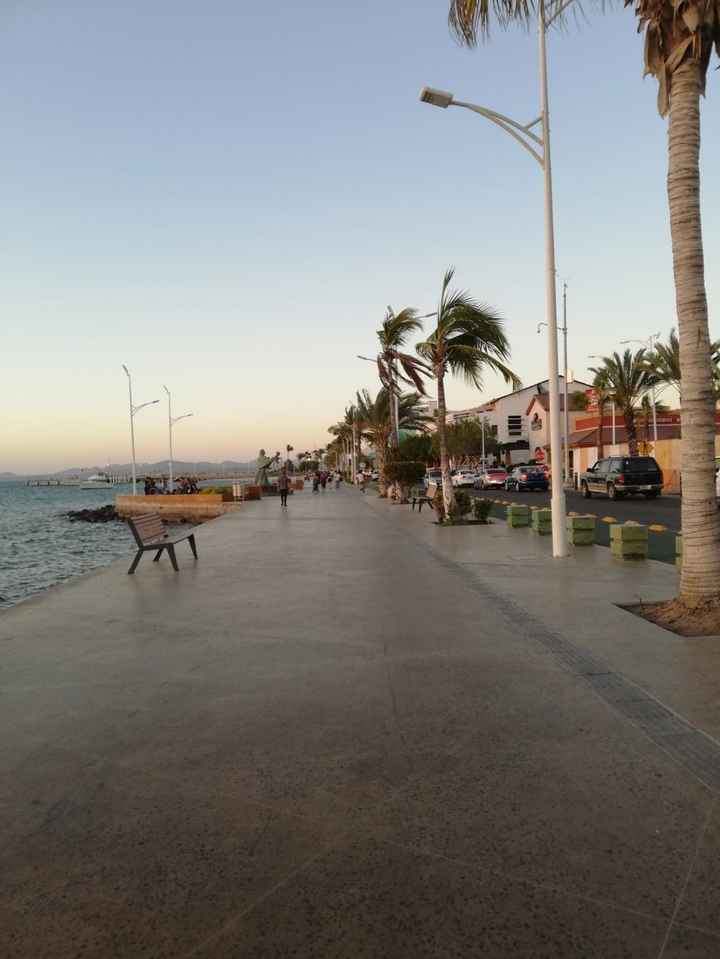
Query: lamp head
x=126, y=369
x=437, y=98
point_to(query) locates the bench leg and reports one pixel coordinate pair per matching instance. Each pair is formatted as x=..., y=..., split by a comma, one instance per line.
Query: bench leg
x=157, y=555
x=191, y=540
x=133, y=567
x=171, y=553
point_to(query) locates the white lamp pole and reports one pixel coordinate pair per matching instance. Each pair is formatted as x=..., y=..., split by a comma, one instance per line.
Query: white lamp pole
x=539, y=148
x=171, y=423
x=133, y=411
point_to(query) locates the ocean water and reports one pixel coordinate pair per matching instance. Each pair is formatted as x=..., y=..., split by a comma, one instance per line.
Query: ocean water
x=40, y=546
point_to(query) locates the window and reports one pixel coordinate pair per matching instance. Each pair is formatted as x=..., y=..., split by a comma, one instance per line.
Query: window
x=514, y=425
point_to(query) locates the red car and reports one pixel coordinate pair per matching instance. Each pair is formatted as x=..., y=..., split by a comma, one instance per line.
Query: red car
x=492, y=478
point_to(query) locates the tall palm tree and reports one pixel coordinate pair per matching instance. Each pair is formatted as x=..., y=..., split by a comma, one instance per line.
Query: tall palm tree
x=392, y=335
x=679, y=40
x=468, y=338
x=626, y=379
x=374, y=414
x=603, y=395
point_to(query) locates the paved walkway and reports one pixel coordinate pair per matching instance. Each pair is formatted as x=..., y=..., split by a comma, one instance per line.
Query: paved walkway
x=349, y=733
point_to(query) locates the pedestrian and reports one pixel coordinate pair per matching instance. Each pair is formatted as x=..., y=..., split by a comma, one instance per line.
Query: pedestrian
x=283, y=487
x=323, y=480
x=338, y=477
x=363, y=481
x=316, y=481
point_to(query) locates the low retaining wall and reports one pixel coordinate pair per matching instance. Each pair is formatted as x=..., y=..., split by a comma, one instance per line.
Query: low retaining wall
x=193, y=507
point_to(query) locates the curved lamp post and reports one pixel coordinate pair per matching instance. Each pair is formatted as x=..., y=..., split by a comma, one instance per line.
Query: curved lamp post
x=538, y=146
x=133, y=411
x=171, y=422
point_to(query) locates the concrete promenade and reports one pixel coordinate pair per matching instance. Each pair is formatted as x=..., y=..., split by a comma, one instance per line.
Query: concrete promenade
x=348, y=733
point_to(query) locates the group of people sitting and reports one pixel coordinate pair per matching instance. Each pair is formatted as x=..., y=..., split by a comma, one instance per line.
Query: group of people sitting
x=183, y=484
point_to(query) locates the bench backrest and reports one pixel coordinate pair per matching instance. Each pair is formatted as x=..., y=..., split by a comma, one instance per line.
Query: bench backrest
x=147, y=528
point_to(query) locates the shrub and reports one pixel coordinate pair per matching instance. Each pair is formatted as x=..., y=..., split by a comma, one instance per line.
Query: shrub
x=404, y=473
x=463, y=502
x=481, y=509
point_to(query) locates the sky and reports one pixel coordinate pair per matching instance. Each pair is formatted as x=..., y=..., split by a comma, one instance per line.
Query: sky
x=226, y=196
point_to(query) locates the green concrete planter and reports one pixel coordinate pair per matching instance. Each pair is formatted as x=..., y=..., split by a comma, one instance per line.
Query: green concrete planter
x=518, y=515
x=581, y=530
x=629, y=541
x=542, y=521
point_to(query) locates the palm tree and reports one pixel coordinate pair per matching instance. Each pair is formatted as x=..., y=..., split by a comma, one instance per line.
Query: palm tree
x=342, y=432
x=374, y=415
x=664, y=363
x=392, y=335
x=468, y=338
x=679, y=39
x=603, y=395
x=626, y=379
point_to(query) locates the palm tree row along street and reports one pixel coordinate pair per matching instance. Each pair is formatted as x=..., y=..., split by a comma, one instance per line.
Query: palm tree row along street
x=468, y=337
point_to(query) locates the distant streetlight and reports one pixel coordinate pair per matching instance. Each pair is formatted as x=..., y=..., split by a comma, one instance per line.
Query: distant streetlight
x=649, y=345
x=171, y=422
x=133, y=411
x=538, y=146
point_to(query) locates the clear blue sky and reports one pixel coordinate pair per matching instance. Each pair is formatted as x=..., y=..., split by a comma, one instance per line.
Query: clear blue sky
x=226, y=195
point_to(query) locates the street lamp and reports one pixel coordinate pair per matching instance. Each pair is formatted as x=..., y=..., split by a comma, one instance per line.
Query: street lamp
x=539, y=148
x=566, y=418
x=171, y=422
x=133, y=411
x=649, y=345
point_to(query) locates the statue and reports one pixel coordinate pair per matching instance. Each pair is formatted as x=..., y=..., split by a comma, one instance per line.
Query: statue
x=263, y=464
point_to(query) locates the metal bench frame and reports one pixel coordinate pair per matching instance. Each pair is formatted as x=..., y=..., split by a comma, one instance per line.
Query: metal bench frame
x=151, y=535
x=426, y=497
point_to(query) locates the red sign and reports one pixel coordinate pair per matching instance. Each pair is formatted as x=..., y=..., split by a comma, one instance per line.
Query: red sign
x=592, y=405
x=539, y=455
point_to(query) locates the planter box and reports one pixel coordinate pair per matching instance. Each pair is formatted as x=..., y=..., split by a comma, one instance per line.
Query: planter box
x=629, y=541
x=542, y=521
x=581, y=530
x=518, y=515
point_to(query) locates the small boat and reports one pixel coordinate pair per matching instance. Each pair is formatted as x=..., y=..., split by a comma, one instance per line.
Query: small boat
x=97, y=481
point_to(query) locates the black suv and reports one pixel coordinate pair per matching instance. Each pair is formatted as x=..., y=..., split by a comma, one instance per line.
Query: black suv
x=619, y=475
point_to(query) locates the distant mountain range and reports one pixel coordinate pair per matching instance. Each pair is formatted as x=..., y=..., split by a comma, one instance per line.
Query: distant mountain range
x=179, y=467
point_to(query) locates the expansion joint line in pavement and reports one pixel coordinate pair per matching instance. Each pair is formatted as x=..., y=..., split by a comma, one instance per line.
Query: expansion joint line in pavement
x=685, y=743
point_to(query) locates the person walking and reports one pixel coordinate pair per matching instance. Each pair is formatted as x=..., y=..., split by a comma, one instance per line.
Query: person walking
x=338, y=477
x=283, y=486
x=323, y=480
x=316, y=481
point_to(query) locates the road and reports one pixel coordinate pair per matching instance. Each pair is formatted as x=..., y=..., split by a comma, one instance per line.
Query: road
x=664, y=511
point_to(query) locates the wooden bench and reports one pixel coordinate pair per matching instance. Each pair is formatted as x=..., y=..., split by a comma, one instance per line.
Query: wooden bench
x=151, y=534
x=422, y=496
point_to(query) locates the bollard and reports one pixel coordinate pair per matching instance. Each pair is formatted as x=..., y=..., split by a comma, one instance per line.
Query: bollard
x=581, y=530
x=518, y=515
x=629, y=540
x=678, y=551
x=542, y=521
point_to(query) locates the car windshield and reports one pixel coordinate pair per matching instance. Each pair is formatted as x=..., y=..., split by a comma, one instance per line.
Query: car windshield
x=639, y=464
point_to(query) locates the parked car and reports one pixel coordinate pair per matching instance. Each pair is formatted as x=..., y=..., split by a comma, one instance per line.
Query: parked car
x=618, y=476
x=464, y=477
x=433, y=476
x=527, y=478
x=491, y=478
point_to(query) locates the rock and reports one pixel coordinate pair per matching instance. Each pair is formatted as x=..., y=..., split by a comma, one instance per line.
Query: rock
x=103, y=514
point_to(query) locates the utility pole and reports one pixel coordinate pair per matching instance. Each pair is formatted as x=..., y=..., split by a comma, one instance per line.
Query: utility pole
x=565, y=388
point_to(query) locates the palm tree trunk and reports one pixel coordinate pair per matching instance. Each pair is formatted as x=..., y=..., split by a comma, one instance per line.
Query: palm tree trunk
x=600, y=445
x=700, y=578
x=448, y=494
x=631, y=430
x=380, y=452
x=391, y=397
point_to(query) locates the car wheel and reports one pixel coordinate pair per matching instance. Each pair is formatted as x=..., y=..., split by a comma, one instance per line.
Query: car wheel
x=585, y=491
x=611, y=491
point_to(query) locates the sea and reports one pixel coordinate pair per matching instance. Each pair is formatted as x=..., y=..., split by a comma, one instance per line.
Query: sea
x=40, y=546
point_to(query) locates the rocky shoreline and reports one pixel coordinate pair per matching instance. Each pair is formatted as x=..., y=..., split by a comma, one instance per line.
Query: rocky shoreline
x=102, y=514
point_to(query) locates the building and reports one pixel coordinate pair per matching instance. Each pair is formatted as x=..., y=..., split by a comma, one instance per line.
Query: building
x=509, y=418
